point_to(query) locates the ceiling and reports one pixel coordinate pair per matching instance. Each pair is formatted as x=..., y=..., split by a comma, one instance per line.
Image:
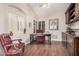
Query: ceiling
x=45, y=12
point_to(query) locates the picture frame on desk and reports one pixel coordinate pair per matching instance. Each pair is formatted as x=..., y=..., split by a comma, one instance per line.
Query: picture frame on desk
x=53, y=24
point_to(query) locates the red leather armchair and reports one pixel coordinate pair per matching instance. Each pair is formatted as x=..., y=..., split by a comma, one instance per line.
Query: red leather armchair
x=11, y=49
x=40, y=38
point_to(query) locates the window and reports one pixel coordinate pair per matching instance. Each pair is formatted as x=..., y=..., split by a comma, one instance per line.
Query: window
x=16, y=21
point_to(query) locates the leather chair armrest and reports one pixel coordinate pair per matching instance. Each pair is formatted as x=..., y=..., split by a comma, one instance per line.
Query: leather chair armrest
x=17, y=40
x=9, y=45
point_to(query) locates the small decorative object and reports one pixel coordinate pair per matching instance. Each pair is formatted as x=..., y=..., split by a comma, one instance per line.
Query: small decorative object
x=11, y=33
x=24, y=30
x=53, y=24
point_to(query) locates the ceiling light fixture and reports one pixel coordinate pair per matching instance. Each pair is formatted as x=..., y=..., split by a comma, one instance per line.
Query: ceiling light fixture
x=44, y=5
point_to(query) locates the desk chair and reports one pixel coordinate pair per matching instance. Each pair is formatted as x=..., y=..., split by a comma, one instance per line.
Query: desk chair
x=40, y=38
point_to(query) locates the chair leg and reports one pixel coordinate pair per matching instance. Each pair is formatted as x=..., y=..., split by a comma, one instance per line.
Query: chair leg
x=23, y=48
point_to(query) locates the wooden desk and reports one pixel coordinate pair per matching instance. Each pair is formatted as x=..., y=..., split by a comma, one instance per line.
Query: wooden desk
x=32, y=37
x=49, y=38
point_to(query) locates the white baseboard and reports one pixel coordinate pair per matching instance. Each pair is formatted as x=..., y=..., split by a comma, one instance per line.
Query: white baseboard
x=57, y=40
x=27, y=42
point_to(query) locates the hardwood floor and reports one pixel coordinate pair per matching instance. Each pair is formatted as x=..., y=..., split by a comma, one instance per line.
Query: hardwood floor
x=55, y=49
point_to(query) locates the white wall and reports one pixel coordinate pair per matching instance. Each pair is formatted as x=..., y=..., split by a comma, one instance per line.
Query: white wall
x=29, y=17
x=4, y=21
x=56, y=35
x=3, y=18
x=62, y=26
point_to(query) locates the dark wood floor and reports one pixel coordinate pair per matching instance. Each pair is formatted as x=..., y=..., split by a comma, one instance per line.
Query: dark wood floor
x=56, y=49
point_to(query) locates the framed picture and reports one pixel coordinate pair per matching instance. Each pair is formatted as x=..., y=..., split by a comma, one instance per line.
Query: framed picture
x=53, y=24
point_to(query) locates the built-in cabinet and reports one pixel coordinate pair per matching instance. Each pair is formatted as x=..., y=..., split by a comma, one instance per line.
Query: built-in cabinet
x=69, y=39
x=71, y=44
x=77, y=9
x=72, y=13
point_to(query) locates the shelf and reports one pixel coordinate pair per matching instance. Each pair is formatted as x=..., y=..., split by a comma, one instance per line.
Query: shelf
x=72, y=6
x=72, y=16
x=71, y=11
x=74, y=20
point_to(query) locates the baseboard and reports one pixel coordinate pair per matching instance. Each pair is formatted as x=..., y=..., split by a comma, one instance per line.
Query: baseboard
x=27, y=43
x=56, y=41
